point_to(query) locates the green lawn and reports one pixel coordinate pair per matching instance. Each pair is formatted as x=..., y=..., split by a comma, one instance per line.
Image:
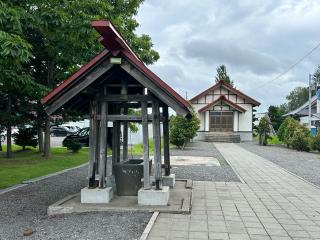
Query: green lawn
x=25, y=165
x=29, y=164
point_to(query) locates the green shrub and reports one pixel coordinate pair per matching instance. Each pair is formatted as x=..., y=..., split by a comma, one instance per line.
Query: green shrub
x=25, y=137
x=71, y=144
x=182, y=129
x=300, y=139
x=294, y=135
x=264, y=131
x=286, y=130
x=316, y=142
x=274, y=140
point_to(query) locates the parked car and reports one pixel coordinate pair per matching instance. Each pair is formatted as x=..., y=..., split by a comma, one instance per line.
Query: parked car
x=83, y=137
x=72, y=129
x=59, y=131
x=2, y=137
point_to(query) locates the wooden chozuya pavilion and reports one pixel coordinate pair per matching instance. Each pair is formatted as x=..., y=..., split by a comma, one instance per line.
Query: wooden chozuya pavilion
x=105, y=88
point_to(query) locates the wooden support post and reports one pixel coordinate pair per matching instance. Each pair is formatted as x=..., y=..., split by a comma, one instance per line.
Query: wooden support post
x=124, y=92
x=156, y=140
x=166, y=143
x=103, y=144
x=109, y=162
x=114, y=142
x=118, y=140
x=146, y=176
x=125, y=138
x=92, y=144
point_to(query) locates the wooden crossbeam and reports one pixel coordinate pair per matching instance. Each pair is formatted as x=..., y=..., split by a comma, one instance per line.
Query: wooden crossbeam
x=126, y=98
x=129, y=118
x=89, y=79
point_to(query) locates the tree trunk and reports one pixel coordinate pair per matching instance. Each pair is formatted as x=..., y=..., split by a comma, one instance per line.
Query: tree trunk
x=47, y=152
x=40, y=139
x=9, y=146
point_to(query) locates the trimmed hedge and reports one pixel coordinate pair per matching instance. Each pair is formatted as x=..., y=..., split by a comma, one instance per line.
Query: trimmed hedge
x=295, y=135
x=73, y=145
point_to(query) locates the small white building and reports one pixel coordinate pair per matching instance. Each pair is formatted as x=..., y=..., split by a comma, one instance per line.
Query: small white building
x=224, y=110
x=302, y=112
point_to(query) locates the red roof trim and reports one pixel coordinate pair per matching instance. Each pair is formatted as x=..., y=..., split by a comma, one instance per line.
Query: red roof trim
x=140, y=65
x=74, y=76
x=115, y=43
x=227, y=101
x=230, y=88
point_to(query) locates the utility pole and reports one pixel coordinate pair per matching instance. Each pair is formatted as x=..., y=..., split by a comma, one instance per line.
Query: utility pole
x=310, y=77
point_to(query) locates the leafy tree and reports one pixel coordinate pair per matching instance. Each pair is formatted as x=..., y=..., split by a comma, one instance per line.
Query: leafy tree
x=1, y=136
x=275, y=114
x=183, y=130
x=316, y=75
x=25, y=137
x=18, y=89
x=254, y=118
x=59, y=37
x=264, y=131
x=283, y=108
x=223, y=75
x=297, y=97
x=132, y=126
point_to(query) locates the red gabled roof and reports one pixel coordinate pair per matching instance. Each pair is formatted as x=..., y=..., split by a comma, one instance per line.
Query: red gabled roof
x=116, y=44
x=73, y=77
x=228, y=87
x=224, y=99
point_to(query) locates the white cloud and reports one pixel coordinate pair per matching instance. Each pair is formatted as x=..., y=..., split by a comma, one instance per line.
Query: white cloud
x=257, y=40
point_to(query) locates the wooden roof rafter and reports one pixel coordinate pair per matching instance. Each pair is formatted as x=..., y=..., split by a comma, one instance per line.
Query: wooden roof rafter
x=229, y=87
x=131, y=65
x=225, y=100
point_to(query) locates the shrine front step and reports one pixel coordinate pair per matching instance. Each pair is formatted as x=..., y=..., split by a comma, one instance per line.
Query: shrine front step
x=222, y=137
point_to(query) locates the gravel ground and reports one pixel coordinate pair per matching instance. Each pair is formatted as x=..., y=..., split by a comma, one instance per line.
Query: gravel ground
x=303, y=164
x=223, y=173
x=25, y=208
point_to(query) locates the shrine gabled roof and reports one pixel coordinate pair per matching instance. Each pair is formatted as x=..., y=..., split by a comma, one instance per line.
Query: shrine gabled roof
x=226, y=101
x=228, y=87
x=115, y=45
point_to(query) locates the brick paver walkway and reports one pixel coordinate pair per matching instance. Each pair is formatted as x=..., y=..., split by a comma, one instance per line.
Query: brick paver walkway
x=271, y=204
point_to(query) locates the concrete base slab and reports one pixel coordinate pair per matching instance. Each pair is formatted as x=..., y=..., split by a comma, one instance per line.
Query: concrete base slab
x=96, y=195
x=169, y=181
x=152, y=197
x=179, y=202
x=194, y=160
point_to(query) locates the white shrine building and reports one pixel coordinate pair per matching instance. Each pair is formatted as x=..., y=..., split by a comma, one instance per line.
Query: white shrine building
x=225, y=113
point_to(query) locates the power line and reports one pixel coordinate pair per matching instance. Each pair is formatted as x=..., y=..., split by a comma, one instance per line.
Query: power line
x=291, y=66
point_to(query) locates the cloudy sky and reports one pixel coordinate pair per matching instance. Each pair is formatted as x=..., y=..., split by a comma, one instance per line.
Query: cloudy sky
x=256, y=39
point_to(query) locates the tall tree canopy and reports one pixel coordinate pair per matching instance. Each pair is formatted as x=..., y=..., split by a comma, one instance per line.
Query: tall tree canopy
x=275, y=114
x=223, y=75
x=18, y=89
x=44, y=41
x=316, y=75
x=297, y=97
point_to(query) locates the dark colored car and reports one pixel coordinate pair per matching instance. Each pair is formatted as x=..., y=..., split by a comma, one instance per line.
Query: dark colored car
x=59, y=131
x=83, y=137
